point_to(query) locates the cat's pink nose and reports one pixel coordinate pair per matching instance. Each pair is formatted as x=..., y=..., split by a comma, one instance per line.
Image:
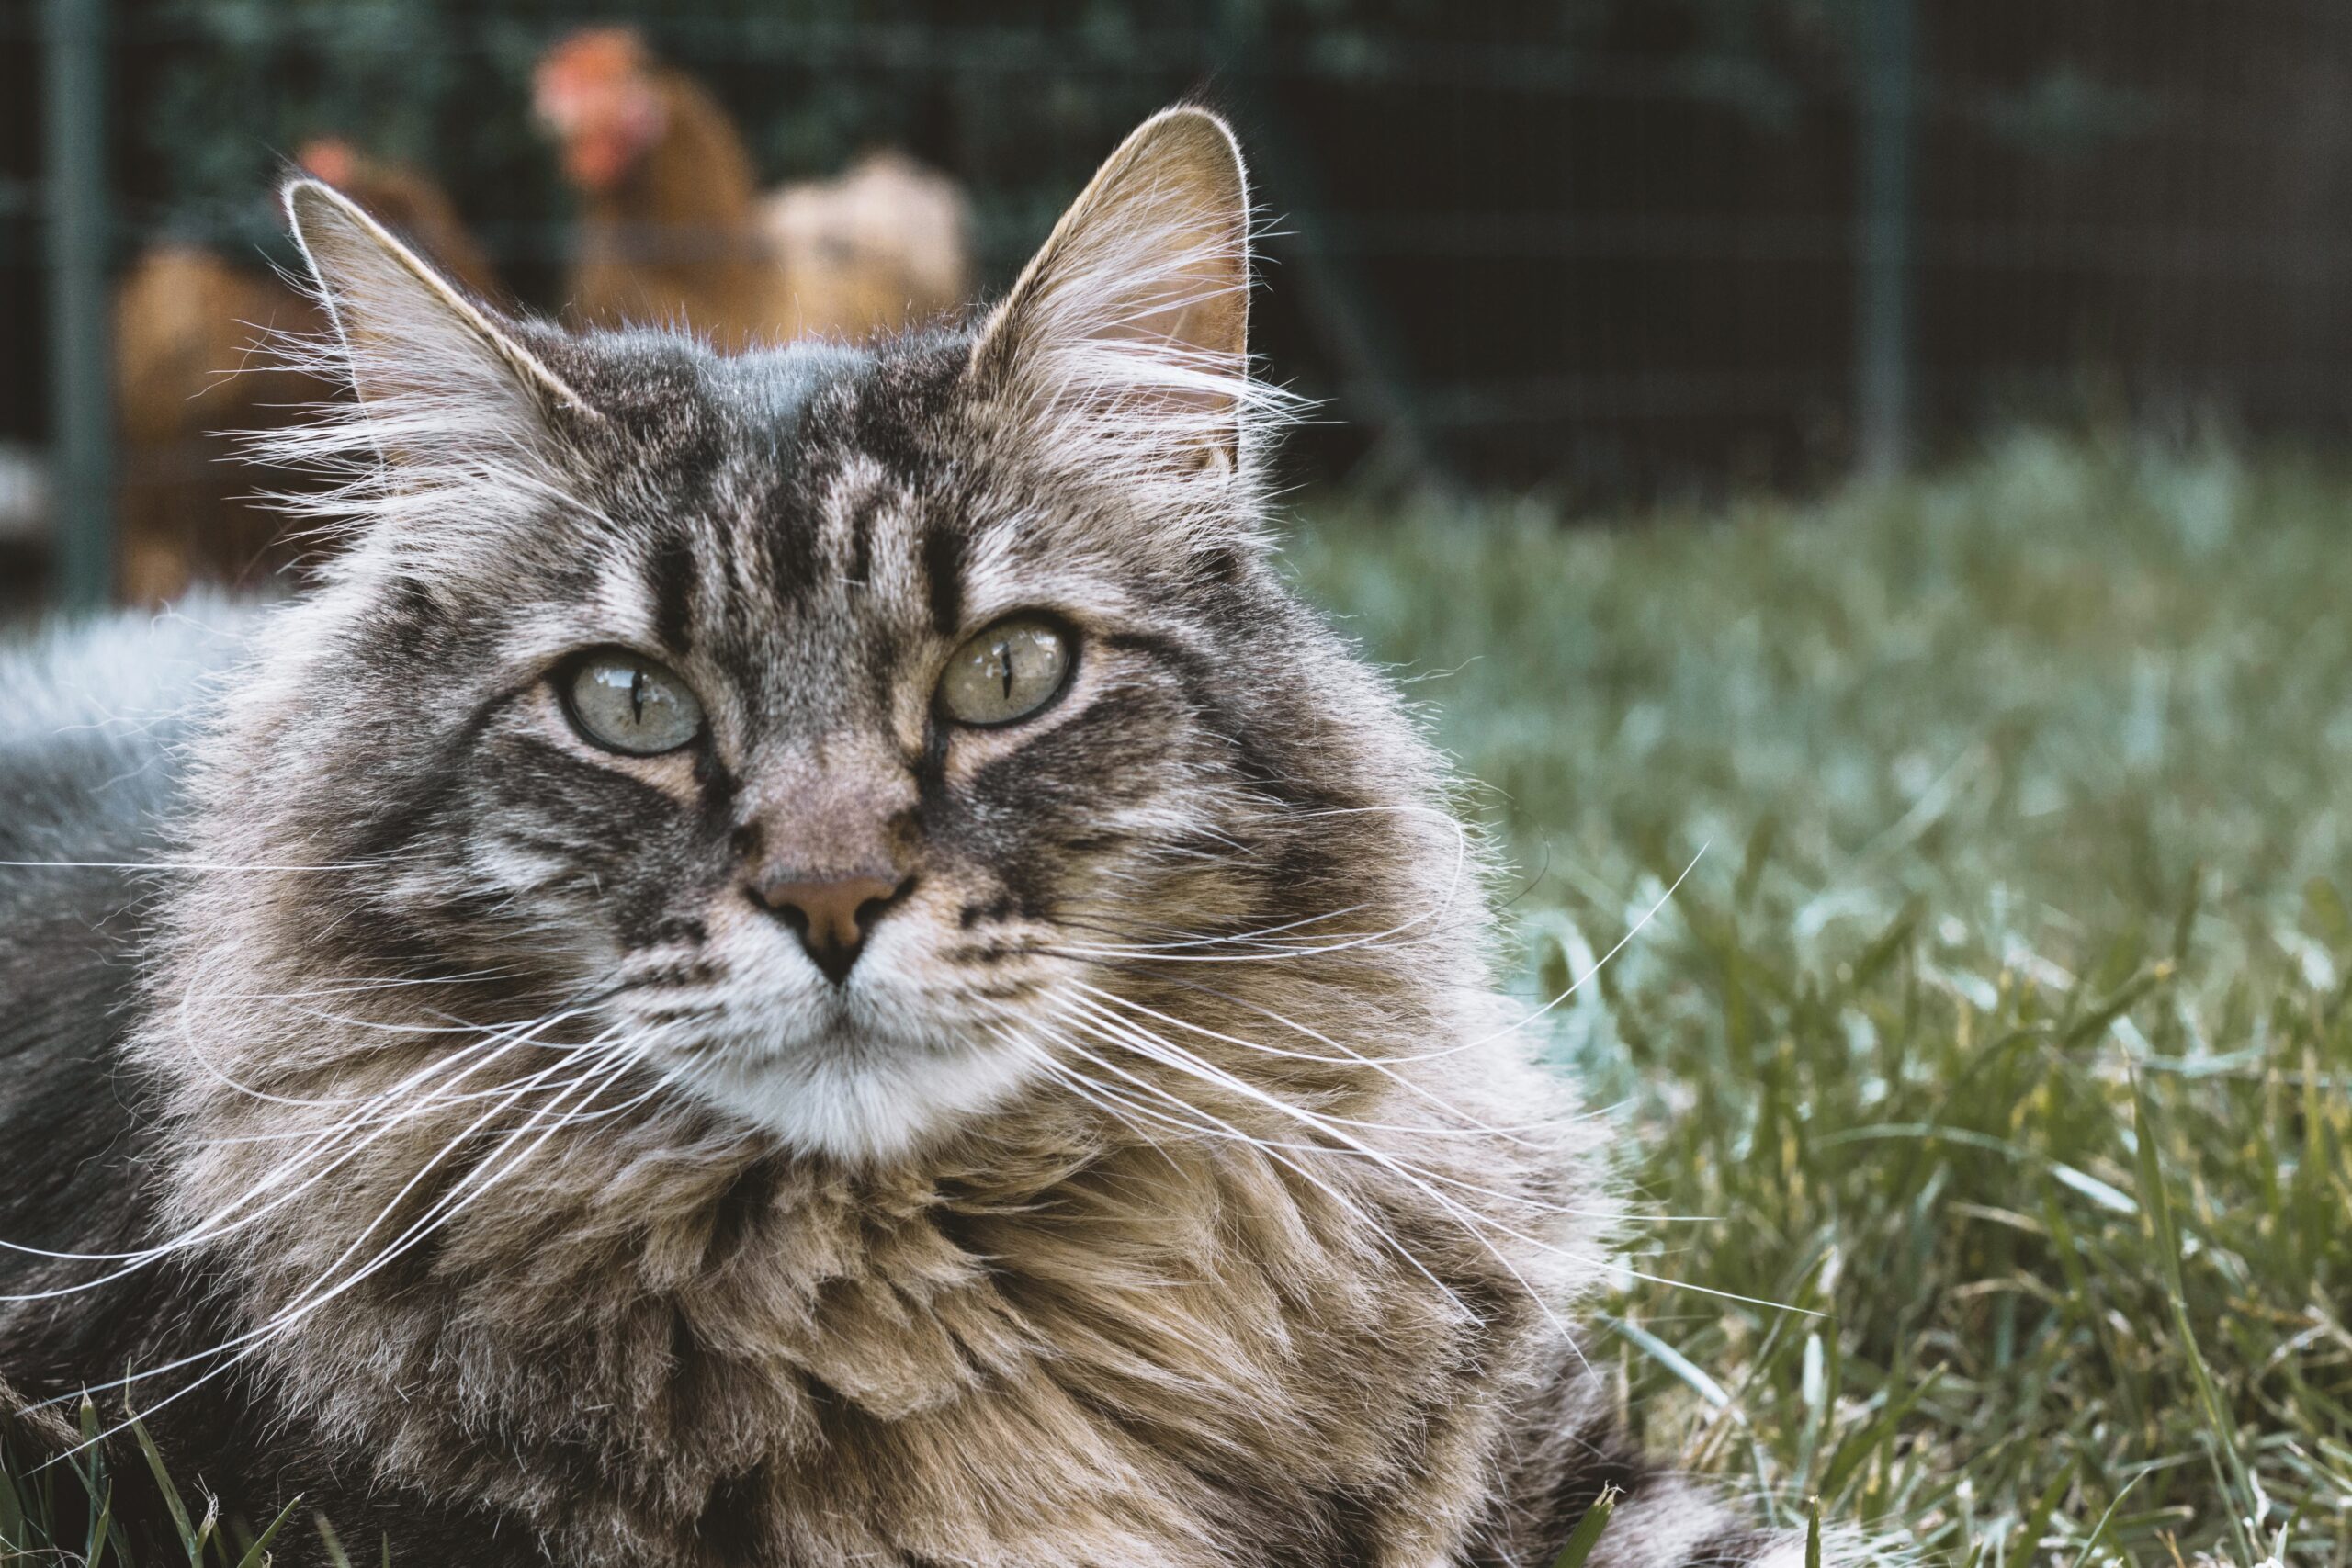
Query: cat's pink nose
x=833, y=916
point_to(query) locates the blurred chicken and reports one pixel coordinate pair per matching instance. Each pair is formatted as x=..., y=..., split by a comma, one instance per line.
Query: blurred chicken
x=873, y=249
x=188, y=368
x=185, y=323
x=677, y=230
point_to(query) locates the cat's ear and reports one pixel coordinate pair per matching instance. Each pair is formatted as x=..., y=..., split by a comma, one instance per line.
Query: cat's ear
x=456, y=433
x=408, y=338
x=1128, y=331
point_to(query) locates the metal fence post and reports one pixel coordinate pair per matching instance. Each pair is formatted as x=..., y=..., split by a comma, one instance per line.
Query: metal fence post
x=1883, y=304
x=82, y=522
x=1377, y=387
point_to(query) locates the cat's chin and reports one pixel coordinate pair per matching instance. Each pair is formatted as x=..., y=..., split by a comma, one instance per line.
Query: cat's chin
x=856, y=1098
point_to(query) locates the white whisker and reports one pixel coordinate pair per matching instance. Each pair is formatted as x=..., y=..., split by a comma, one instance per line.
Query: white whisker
x=1473, y=1223
x=308, y=1302
x=1199, y=1120
x=220, y=1224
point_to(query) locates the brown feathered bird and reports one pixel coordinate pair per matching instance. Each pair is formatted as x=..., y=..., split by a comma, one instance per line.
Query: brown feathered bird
x=676, y=230
x=187, y=326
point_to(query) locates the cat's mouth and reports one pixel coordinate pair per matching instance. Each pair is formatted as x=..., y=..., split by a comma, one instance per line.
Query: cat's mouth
x=850, y=1080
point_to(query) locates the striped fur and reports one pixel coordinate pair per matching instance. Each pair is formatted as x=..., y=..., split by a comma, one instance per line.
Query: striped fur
x=1166, y=1184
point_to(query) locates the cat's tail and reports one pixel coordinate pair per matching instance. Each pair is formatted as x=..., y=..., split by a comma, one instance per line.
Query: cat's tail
x=1679, y=1523
x=1572, y=1453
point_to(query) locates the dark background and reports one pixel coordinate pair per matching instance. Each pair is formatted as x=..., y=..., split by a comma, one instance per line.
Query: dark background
x=1608, y=248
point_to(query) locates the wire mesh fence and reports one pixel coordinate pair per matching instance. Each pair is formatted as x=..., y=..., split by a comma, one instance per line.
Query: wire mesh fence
x=1611, y=248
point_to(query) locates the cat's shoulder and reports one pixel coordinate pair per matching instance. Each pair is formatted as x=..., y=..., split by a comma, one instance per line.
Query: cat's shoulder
x=94, y=720
x=94, y=714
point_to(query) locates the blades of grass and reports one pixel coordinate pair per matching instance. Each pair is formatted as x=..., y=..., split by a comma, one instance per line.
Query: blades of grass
x=2028, y=1539
x=258, y=1554
x=1855, y=1450
x=2184, y=925
x=2220, y=1433
x=1813, y=1390
x=1699, y=1452
x=1587, y=1534
x=102, y=1534
x=13, y=1527
x=2109, y=1198
x=1760, y=844
x=1885, y=948
x=2323, y=907
x=2083, y=1301
x=189, y=1539
x=2099, y=1529
x=27, y=1517
x=331, y=1543
x=2127, y=997
x=2316, y=1209
x=1813, y=1532
x=90, y=1465
x=1675, y=1362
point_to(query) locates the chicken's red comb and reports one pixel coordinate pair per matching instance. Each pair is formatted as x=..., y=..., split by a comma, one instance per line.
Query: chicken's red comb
x=331, y=158
x=593, y=56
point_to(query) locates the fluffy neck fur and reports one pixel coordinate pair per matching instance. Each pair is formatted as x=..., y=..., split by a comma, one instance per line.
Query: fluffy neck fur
x=1072, y=1334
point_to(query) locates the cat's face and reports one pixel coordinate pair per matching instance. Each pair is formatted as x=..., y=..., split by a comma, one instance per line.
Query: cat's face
x=820, y=747
x=829, y=728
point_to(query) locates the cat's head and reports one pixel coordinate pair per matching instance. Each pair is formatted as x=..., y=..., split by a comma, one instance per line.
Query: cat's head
x=857, y=738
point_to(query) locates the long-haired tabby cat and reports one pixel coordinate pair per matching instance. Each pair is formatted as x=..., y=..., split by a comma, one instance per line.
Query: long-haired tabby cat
x=801, y=958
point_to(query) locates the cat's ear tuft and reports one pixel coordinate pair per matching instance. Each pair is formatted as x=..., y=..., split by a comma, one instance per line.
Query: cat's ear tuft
x=405, y=335
x=1130, y=327
x=456, y=435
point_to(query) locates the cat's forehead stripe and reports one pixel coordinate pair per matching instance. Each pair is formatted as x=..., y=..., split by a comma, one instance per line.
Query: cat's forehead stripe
x=942, y=574
x=671, y=573
x=788, y=523
x=862, y=496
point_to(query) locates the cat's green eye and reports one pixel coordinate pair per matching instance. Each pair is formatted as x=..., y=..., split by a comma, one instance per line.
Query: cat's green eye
x=1006, y=673
x=624, y=701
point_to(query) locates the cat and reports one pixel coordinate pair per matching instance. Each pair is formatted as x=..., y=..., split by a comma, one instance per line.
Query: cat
x=799, y=958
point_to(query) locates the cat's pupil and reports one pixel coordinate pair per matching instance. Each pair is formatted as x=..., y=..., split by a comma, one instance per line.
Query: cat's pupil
x=1005, y=672
x=626, y=702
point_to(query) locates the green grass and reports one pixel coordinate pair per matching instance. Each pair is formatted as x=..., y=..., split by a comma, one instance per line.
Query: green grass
x=67, y=1513
x=2003, y=1019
